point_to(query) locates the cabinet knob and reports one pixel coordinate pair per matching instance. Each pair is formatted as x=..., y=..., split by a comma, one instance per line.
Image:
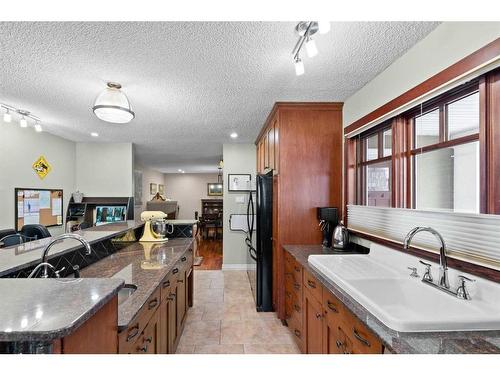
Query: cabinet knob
x=153, y=303
x=319, y=315
x=296, y=332
x=175, y=270
x=311, y=283
x=134, y=331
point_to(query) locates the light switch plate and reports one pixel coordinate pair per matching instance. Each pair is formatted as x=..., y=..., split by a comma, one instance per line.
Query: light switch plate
x=239, y=199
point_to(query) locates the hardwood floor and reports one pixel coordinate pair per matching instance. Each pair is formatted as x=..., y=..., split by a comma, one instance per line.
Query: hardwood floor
x=211, y=251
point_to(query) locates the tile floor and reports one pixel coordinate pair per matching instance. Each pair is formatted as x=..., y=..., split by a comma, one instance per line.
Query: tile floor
x=223, y=319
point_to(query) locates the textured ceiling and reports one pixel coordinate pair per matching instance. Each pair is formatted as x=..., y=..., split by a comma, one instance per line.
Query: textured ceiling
x=190, y=84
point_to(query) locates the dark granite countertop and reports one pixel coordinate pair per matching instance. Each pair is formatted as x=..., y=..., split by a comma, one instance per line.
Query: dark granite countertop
x=465, y=342
x=142, y=264
x=17, y=257
x=47, y=309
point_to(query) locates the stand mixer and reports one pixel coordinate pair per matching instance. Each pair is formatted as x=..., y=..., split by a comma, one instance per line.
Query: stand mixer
x=155, y=227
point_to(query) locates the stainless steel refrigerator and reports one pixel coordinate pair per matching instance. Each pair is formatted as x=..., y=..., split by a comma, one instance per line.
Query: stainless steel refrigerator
x=262, y=279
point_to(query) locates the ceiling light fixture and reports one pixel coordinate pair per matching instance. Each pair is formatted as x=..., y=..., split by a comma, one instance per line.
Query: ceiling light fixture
x=305, y=31
x=24, y=116
x=7, y=117
x=299, y=66
x=94, y=134
x=234, y=135
x=112, y=105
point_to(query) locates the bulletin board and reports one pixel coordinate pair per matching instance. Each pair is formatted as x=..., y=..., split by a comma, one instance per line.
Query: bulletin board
x=38, y=206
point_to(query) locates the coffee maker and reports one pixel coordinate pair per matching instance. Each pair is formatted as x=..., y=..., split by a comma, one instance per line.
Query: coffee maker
x=328, y=219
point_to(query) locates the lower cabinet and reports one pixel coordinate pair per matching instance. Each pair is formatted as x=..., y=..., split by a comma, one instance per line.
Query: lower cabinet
x=313, y=323
x=326, y=325
x=160, y=322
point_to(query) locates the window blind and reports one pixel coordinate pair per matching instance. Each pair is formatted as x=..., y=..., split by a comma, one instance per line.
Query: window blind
x=474, y=238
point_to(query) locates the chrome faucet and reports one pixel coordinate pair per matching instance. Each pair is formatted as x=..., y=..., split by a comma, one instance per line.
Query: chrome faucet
x=443, y=270
x=46, y=265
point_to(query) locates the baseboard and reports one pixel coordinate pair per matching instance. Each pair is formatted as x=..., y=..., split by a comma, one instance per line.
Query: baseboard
x=238, y=267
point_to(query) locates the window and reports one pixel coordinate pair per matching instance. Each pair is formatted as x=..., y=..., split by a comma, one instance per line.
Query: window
x=376, y=168
x=445, y=154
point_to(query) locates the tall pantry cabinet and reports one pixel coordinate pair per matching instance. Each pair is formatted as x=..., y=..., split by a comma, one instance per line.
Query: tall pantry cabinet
x=301, y=143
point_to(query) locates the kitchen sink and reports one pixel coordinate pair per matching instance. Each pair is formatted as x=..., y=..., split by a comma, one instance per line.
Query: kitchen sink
x=381, y=283
x=126, y=292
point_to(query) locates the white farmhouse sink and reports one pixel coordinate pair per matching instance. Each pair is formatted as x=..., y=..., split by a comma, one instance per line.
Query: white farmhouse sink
x=381, y=283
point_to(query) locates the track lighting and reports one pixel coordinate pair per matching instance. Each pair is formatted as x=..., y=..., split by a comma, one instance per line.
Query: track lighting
x=305, y=30
x=23, y=123
x=7, y=117
x=299, y=66
x=23, y=116
x=324, y=27
x=311, y=48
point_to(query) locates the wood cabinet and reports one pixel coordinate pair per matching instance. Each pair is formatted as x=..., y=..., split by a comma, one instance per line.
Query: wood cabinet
x=301, y=143
x=160, y=322
x=96, y=336
x=319, y=321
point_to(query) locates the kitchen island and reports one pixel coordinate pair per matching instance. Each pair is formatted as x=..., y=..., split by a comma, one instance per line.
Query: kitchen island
x=134, y=296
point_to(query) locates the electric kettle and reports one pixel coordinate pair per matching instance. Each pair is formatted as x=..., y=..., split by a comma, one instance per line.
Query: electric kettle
x=340, y=237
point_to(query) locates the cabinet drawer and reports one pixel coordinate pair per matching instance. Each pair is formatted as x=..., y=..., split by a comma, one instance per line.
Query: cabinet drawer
x=293, y=308
x=297, y=332
x=293, y=285
x=166, y=287
x=313, y=286
x=128, y=338
x=363, y=341
x=333, y=307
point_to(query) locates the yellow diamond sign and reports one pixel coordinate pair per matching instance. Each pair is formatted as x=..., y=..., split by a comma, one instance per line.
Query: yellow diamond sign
x=42, y=167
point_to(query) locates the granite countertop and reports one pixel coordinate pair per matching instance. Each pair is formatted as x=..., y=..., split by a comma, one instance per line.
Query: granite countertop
x=142, y=264
x=465, y=342
x=182, y=221
x=14, y=258
x=47, y=309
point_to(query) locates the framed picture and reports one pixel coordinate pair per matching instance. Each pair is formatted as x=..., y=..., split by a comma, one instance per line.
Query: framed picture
x=153, y=189
x=214, y=189
x=239, y=182
x=161, y=189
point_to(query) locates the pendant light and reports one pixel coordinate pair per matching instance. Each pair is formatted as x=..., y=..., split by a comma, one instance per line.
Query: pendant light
x=311, y=48
x=299, y=66
x=112, y=105
x=23, y=123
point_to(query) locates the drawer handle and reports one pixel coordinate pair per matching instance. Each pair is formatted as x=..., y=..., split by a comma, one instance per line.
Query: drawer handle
x=135, y=330
x=338, y=343
x=296, y=286
x=358, y=336
x=149, y=339
x=166, y=284
x=152, y=304
x=296, y=332
x=332, y=307
x=183, y=259
x=311, y=283
x=296, y=307
x=180, y=281
x=175, y=271
x=171, y=296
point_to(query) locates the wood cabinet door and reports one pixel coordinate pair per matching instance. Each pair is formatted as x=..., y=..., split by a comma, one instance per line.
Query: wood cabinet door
x=149, y=343
x=270, y=147
x=172, y=320
x=181, y=299
x=313, y=324
x=266, y=151
x=164, y=326
x=276, y=127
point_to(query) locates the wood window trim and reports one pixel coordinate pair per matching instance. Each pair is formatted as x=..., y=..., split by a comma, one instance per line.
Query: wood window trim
x=463, y=66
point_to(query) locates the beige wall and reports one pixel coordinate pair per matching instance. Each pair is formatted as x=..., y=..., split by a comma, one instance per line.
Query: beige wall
x=149, y=176
x=104, y=169
x=238, y=158
x=19, y=148
x=447, y=44
x=188, y=189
